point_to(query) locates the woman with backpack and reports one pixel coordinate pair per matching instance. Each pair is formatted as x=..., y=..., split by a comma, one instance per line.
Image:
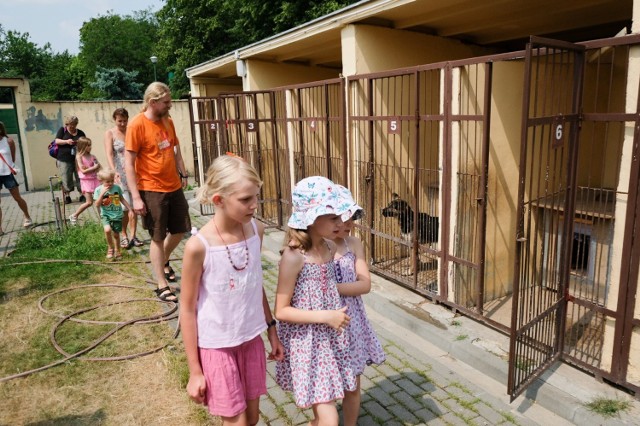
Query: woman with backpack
x=66, y=139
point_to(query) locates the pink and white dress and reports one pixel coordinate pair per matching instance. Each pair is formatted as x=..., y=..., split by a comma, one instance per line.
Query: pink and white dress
x=364, y=346
x=88, y=181
x=316, y=366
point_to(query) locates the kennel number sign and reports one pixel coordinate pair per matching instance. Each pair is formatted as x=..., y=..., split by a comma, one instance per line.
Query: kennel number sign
x=558, y=132
x=393, y=126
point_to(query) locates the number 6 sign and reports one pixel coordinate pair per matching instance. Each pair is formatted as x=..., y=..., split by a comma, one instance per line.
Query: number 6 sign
x=557, y=128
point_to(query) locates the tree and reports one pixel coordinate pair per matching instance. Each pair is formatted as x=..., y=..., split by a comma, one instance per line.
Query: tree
x=20, y=57
x=194, y=31
x=50, y=75
x=117, y=83
x=125, y=42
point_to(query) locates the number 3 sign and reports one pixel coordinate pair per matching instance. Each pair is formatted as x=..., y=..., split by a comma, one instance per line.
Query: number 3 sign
x=394, y=126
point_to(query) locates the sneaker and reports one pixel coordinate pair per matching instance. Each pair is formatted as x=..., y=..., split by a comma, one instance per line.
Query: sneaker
x=67, y=200
x=73, y=219
x=82, y=199
x=27, y=223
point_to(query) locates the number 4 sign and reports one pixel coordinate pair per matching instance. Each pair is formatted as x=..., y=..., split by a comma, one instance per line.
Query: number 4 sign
x=394, y=126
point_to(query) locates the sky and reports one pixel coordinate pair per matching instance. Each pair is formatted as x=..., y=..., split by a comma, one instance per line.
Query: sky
x=58, y=21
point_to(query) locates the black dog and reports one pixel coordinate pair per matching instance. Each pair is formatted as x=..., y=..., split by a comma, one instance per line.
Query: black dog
x=427, y=225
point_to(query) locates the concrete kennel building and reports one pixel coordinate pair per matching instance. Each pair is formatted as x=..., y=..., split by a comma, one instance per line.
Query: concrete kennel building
x=514, y=124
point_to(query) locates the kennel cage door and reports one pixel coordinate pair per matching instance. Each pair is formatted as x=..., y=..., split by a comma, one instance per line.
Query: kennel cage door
x=553, y=76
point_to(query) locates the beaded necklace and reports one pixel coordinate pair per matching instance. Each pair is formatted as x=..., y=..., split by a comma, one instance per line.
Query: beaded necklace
x=246, y=249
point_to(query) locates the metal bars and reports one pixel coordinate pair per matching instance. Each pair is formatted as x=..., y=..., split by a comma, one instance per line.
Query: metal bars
x=551, y=101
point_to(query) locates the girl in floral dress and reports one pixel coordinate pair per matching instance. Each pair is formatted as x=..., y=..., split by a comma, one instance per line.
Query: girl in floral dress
x=354, y=280
x=317, y=366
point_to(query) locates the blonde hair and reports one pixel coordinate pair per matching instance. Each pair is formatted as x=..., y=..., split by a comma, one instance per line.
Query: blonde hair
x=224, y=172
x=71, y=119
x=106, y=175
x=155, y=91
x=82, y=144
x=297, y=239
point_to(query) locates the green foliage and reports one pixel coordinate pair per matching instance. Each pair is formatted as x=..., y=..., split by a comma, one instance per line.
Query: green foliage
x=120, y=42
x=20, y=57
x=607, y=407
x=80, y=242
x=117, y=83
x=182, y=34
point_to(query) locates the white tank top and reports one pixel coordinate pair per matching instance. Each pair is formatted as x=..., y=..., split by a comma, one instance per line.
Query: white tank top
x=5, y=150
x=229, y=310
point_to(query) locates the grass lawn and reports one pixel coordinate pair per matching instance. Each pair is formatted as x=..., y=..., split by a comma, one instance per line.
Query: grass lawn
x=48, y=278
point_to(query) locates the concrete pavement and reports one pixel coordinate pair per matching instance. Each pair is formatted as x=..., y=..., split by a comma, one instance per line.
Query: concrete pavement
x=431, y=376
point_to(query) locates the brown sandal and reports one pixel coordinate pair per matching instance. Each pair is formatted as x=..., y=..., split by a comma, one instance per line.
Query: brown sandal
x=165, y=294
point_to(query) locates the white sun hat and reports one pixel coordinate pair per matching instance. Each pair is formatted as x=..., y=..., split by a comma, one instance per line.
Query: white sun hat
x=312, y=197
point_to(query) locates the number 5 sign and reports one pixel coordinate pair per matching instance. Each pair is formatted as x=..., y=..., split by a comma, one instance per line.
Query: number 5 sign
x=393, y=126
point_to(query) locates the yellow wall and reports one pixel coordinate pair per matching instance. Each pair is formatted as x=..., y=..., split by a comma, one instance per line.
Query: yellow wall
x=619, y=228
x=502, y=184
x=368, y=49
x=213, y=87
x=39, y=122
x=268, y=75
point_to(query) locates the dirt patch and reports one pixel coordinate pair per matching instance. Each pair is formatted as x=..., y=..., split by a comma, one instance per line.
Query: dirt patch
x=421, y=314
x=140, y=391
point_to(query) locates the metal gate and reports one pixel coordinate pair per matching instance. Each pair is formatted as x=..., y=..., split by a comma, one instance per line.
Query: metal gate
x=243, y=124
x=395, y=121
x=546, y=193
x=315, y=129
x=467, y=116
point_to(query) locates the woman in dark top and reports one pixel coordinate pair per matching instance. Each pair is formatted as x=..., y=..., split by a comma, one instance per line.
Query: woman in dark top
x=66, y=139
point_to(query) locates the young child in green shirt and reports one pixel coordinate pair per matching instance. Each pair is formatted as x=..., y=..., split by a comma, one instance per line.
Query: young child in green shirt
x=109, y=201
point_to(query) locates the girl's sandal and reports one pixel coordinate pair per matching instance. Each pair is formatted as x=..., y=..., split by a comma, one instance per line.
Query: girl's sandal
x=135, y=242
x=110, y=254
x=124, y=243
x=169, y=273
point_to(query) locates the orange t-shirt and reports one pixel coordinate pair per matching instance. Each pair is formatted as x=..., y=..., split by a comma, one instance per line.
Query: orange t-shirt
x=153, y=142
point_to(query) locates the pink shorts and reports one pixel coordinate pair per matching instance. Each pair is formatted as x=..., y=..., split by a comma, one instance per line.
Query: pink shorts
x=234, y=376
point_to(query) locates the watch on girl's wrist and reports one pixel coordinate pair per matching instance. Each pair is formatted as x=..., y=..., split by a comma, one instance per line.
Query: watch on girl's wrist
x=271, y=323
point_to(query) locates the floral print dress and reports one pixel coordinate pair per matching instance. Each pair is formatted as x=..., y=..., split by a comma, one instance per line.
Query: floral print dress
x=317, y=366
x=118, y=161
x=365, y=348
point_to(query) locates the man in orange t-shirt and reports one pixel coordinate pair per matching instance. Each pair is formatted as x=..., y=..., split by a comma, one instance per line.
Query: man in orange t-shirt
x=156, y=176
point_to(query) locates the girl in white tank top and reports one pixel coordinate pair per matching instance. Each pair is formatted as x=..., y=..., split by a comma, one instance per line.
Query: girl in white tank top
x=223, y=307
